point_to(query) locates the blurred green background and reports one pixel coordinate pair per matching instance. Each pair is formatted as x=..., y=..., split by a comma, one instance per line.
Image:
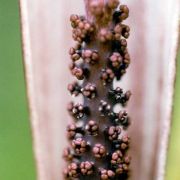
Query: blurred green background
x=16, y=156
x=173, y=164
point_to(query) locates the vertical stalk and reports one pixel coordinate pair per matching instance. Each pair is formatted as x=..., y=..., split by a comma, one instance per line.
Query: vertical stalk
x=99, y=144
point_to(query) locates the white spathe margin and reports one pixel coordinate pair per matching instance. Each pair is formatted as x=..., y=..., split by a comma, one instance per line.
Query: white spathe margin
x=170, y=53
x=26, y=45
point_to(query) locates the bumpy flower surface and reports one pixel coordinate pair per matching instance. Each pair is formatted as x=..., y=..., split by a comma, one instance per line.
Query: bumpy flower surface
x=98, y=148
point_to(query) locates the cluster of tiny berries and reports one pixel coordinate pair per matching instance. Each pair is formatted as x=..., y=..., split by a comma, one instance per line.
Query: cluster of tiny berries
x=86, y=153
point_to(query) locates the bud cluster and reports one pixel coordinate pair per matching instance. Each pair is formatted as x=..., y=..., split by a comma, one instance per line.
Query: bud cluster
x=97, y=135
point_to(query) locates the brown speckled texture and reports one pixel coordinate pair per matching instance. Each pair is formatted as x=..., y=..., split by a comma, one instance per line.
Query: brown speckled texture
x=101, y=55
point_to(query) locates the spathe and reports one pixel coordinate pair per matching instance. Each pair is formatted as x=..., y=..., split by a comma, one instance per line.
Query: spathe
x=154, y=37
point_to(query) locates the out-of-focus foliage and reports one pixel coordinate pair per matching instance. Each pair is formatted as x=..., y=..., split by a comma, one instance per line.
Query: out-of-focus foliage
x=173, y=164
x=16, y=157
